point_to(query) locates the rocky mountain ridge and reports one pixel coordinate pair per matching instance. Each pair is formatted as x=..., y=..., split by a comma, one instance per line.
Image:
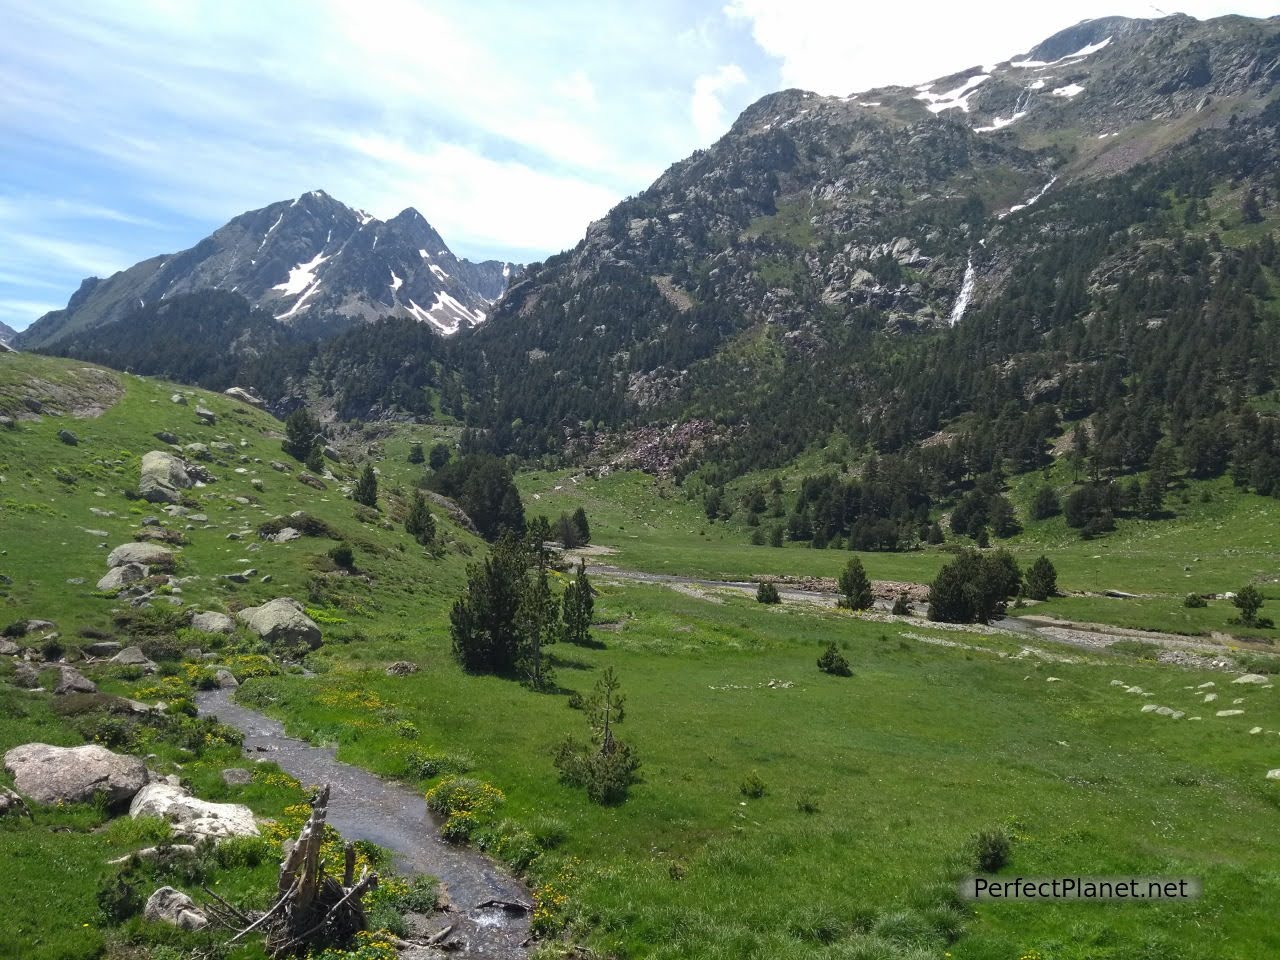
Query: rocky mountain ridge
x=308, y=257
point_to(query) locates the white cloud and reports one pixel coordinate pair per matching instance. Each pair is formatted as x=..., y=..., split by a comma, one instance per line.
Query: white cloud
x=837, y=49
x=577, y=88
x=706, y=106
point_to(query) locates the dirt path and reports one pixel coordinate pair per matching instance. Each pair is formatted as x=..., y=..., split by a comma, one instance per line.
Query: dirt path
x=365, y=807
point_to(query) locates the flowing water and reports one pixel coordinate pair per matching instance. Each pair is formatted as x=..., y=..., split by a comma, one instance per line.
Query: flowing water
x=365, y=807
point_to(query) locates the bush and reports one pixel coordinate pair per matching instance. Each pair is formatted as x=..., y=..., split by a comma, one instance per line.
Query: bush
x=767, y=593
x=973, y=587
x=1194, y=601
x=752, y=787
x=1042, y=579
x=1249, y=602
x=991, y=850
x=605, y=773
x=902, y=606
x=342, y=556
x=834, y=662
x=1045, y=504
x=118, y=900
x=304, y=523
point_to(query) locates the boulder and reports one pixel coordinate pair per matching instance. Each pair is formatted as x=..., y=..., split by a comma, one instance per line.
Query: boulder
x=331, y=453
x=226, y=680
x=210, y=621
x=179, y=399
x=286, y=534
x=49, y=774
x=244, y=396
x=206, y=416
x=282, y=621
x=25, y=676
x=312, y=481
x=163, y=477
x=164, y=436
x=237, y=777
x=69, y=438
x=71, y=680
x=191, y=817
x=134, y=657
x=279, y=467
x=1229, y=713
x=146, y=554
x=1252, y=678
x=1273, y=774
x=171, y=906
x=117, y=578
x=102, y=648
x=199, y=451
x=402, y=668
x=8, y=648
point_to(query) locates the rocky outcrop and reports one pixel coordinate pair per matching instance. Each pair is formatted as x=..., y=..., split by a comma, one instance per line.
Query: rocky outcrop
x=164, y=477
x=144, y=554
x=191, y=817
x=49, y=774
x=282, y=621
x=244, y=396
x=171, y=906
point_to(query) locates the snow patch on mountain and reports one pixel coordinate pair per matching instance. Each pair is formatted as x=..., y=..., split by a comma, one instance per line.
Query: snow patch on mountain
x=301, y=276
x=1069, y=91
x=959, y=97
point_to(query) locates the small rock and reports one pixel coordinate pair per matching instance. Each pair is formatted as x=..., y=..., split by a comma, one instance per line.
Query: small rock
x=226, y=680
x=312, y=481
x=205, y=416
x=210, y=621
x=1210, y=697
x=69, y=438
x=71, y=680
x=286, y=534
x=1255, y=730
x=147, y=554
x=174, y=907
x=237, y=777
x=120, y=577
x=1229, y=713
x=179, y=399
x=102, y=648
x=1251, y=678
x=25, y=676
x=8, y=648
x=402, y=668
x=1273, y=774
x=279, y=467
x=164, y=436
x=134, y=657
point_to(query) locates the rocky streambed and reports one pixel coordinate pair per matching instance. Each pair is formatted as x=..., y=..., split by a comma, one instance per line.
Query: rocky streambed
x=365, y=807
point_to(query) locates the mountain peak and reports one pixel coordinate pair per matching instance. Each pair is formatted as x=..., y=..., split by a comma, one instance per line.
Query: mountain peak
x=310, y=256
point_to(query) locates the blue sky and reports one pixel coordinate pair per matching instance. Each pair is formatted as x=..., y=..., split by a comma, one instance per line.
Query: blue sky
x=137, y=127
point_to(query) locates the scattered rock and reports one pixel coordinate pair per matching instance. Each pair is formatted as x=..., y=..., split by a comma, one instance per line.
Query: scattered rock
x=25, y=676
x=282, y=621
x=50, y=774
x=226, y=680
x=117, y=578
x=198, y=451
x=191, y=817
x=8, y=648
x=402, y=668
x=1229, y=713
x=69, y=438
x=244, y=576
x=146, y=554
x=179, y=399
x=164, y=436
x=279, y=467
x=331, y=453
x=102, y=648
x=1252, y=678
x=1210, y=697
x=205, y=416
x=244, y=396
x=164, y=476
x=134, y=657
x=10, y=802
x=210, y=621
x=237, y=777
x=312, y=481
x=171, y=906
x=1273, y=774
x=71, y=680
x=285, y=535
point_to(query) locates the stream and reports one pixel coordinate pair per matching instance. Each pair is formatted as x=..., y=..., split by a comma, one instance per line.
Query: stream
x=365, y=807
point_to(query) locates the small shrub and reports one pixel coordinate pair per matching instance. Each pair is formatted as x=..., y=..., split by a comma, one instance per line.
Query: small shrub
x=807, y=805
x=834, y=662
x=52, y=649
x=991, y=850
x=342, y=556
x=767, y=593
x=902, y=606
x=752, y=787
x=118, y=900
x=1194, y=601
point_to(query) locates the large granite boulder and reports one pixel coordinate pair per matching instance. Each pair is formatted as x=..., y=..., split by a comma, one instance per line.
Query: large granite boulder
x=134, y=657
x=49, y=774
x=168, y=905
x=164, y=477
x=71, y=680
x=143, y=554
x=191, y=817
x=282, y=621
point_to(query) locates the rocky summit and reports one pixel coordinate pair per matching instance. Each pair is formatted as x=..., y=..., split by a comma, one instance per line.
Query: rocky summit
x=298, y=259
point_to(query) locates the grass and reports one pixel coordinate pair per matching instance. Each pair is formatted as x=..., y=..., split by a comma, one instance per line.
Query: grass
x=873, y=785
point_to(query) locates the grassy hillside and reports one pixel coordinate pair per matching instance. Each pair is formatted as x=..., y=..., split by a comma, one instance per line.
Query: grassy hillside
x=781, y=812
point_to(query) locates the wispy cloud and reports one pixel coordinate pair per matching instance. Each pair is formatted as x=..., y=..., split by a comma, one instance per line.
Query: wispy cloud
x=707, y=106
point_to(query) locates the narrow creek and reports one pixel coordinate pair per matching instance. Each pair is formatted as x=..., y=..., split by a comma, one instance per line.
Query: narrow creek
x=365, y=807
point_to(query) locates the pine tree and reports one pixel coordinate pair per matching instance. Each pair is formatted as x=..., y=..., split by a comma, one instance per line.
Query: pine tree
x=539, y=624
x=578, y=607
x=415, y=453
x=440, y=454
x=583, y=527
x=315, y=459
x=366, y=488
x=420, y=524
x=301, y=431
x=855, y=587
x=1042, y=579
